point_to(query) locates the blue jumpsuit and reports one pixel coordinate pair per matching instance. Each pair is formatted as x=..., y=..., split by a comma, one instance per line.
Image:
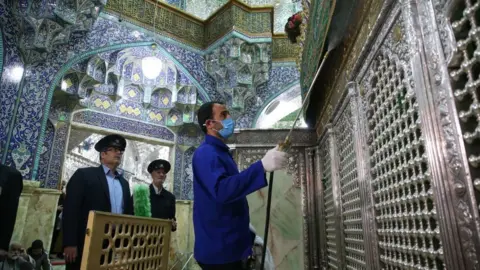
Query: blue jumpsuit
x=220, y=208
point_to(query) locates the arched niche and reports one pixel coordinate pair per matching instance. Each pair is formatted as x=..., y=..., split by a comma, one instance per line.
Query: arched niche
x=133, y=92
x=249, y=53
x=139, y=152
x=189, y=114
x=175, y=118
x=94, y=100
x=162, y=98
x=187, y=95
x=97, y=69
x=278, y=107
x=71, y=82
x=112, y=82
x=145, y=141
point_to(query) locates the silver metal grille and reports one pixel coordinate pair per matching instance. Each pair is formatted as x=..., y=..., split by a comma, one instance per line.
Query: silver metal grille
x=405, y=212
x=352, y=213
x=465, y=71
x=330, y=224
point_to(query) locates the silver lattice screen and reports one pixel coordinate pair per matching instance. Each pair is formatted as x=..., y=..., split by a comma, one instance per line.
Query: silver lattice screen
x=397, y=178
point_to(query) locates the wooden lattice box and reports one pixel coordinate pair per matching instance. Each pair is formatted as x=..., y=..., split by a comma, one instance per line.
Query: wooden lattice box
x=121, y=242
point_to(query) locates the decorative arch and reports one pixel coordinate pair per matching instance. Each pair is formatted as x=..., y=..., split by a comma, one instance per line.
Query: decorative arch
x=162, y=97
x=97, y=68
x=270, y=100
x=143, y=145
x=187, y=95
x=82, y=57
x=174, y=118
x=94, y=119
x=133, y=91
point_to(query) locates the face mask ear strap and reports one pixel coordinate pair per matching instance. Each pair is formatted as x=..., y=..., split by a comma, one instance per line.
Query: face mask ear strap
x=206, y=121
x=205, y=125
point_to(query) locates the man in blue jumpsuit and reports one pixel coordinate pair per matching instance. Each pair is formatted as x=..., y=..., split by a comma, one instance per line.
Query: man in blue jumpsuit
x=223, y=239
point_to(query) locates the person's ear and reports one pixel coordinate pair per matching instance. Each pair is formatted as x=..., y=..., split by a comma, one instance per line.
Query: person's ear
x=208, y=123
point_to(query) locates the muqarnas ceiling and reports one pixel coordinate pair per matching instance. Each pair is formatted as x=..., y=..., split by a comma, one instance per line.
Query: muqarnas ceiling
x=116, y=83
x=239, y=68
x=44, y=24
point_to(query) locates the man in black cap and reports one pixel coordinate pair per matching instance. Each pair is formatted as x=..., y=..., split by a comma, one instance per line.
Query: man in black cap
x=162, y=201
x=94, y=189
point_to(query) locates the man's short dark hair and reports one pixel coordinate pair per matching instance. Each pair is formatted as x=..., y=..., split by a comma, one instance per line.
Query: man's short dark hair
x=206, y=113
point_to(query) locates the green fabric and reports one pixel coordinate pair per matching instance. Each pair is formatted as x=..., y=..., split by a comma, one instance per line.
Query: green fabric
x=141, y=201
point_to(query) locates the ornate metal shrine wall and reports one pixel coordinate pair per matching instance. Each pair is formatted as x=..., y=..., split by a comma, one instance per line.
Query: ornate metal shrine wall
x=393, y=182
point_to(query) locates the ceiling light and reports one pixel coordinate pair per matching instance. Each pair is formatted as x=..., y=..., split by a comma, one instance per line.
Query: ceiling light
x=151, y=67
x=16, y=74
x=64, y=85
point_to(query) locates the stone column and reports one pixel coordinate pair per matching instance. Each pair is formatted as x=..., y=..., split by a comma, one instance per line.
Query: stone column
x=36, y=214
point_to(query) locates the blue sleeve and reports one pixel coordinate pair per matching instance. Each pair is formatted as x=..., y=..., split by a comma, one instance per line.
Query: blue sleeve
x=211, y=173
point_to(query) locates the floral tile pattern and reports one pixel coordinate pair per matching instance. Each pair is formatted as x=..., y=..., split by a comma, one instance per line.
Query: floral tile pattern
x=280, y=78
x=122, y=124
x=22, y=128
x=9, y=84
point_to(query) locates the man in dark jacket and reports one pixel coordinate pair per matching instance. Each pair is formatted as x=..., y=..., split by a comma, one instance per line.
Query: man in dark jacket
x=162, y=201
x=100, y=188
x=11, y=186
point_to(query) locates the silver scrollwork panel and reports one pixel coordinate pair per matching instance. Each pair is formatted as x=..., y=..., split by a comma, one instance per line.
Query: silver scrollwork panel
x=331, y=202
x=337, y=197
x=451, y=47
x=311, y=208
x=320, y=226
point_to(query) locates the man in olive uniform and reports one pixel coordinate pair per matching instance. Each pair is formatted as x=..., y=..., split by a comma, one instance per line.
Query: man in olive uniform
x=161, y=200
x=100, y=188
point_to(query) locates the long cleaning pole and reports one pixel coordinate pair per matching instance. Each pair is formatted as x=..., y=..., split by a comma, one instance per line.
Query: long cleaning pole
x=338, y=27
x=284, y=147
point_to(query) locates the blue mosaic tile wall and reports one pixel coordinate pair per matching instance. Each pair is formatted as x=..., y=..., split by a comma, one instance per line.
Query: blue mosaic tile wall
x=34, y=101
x=177, y=180
x=187, y=174
x=45, y=157
x=183, y=178
x=9, y=87
x=33, y=96
x=280, y=77
x=122, y=124
x=57, y=156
